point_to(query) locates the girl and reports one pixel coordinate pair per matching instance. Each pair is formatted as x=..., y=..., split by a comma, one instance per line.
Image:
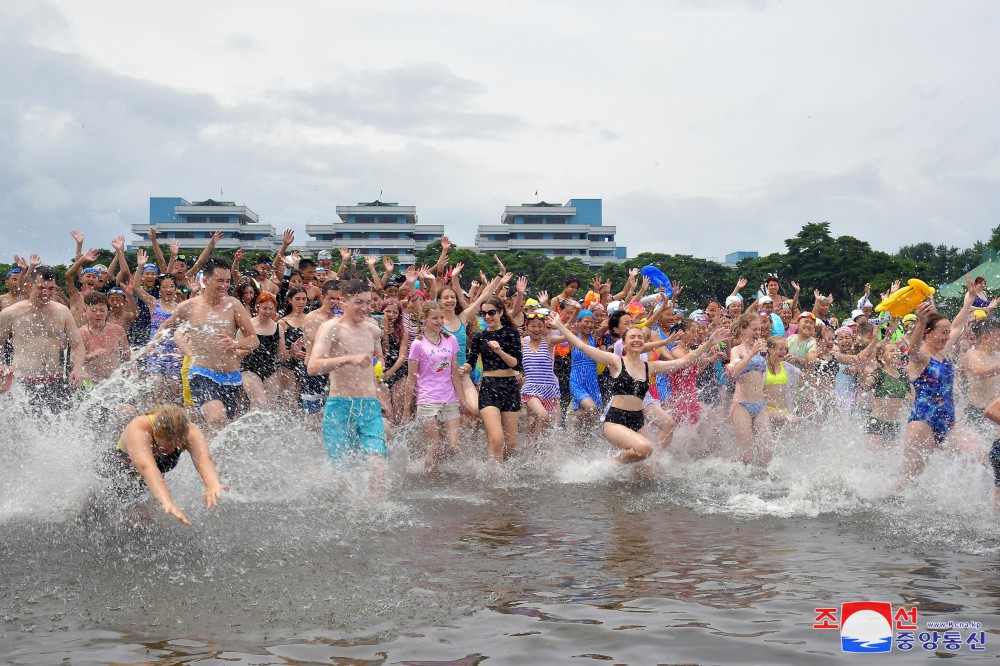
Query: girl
x=163, y=362
x=624, y=423
x=779, y=378
x=540, y=392
x=583, y=382
x=890, y=387
x=746, y=368
x=932, y=419
x=432, y=370
x=396, y=349
x=150, y=447
x=259, y=366
x=463, y=323
x=499, y=346
x=292, y=372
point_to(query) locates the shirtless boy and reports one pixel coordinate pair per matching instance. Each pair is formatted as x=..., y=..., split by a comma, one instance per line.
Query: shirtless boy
x=105, y=341
x=344, y=349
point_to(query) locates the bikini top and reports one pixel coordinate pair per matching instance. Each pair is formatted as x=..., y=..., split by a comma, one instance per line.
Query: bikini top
x=887, y=386
x=626, y=384
x=757, y=364
x=776, y=378
x=164, y=461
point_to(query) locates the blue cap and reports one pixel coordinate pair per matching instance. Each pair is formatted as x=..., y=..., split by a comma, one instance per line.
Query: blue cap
x=584, y=313
x=150, y=267
x=11, y=272
x=90, y=270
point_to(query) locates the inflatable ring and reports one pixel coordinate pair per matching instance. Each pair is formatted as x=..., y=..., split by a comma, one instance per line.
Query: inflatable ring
x=906, y=300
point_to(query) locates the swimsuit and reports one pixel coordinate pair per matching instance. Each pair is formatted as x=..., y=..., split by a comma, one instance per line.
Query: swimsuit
x=626, y=384
x=226, y=387
x=263, y=361
x=539, y=376
x=757, y=363
x=933, y=403
x=390, y=348
x=500, y=392
x=117, y=465
x=353, y=425
x=583, y=383
x=164, y=359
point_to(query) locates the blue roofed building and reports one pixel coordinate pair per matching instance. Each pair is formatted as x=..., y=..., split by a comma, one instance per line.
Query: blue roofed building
x=574, y=230
x=192, y=224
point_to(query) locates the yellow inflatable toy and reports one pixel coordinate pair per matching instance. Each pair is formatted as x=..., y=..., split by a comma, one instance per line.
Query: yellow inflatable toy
x=907, y=299
x=378, y=368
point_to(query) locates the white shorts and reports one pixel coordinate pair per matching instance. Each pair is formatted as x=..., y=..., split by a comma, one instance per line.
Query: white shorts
x=442, y=411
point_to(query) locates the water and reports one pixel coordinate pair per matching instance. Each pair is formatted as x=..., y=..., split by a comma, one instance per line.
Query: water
x=561, y=558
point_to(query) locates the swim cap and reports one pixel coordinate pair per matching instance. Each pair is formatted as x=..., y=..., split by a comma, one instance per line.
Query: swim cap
x=844, y=329
x=733, y=299
x=584, y=313
x=150, y=267
x=11, y=272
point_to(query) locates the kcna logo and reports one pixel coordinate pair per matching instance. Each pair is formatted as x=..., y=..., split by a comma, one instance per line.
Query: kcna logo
x=866, y=626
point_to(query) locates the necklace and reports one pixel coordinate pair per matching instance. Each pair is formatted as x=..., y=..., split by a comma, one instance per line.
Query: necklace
x=436, y=344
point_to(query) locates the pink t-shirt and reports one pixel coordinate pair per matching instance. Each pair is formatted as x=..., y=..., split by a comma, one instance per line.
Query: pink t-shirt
x=434, y=372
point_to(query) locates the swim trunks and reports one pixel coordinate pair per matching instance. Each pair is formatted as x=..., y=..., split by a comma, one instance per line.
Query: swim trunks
x=353, y=425
x=226, y=387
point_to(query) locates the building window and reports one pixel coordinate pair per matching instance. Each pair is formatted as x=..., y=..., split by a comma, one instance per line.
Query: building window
x=196, y=219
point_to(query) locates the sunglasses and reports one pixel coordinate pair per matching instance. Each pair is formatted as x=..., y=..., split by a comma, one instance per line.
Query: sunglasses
x=487, y=313
x=534, y=315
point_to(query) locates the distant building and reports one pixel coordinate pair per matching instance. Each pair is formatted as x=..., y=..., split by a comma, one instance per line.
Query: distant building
x=736, y=257
x=376, y=227
x=192, y=224
x=572, y=231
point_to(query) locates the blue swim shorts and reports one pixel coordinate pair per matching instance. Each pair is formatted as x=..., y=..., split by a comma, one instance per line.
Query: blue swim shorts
x=353, y=425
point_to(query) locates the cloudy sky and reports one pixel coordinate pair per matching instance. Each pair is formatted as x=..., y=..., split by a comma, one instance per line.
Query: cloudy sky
x=706, y=127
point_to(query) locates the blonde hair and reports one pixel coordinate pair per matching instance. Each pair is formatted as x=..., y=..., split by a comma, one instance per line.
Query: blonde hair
x=426, y=309
x=170, y=422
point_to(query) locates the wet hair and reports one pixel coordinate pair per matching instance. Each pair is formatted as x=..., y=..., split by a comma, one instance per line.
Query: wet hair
x=743, y=322
x=864, y=328
x=241, y=287
x=44, y=273
x=932, y=321
x=213, y=264
x=306, y=263
x=397, y=327
x=774, y=340
x=985, y=326
x=95, y=298
x=355, y=287
x=425, y=311
x=505, y=319
x=170, y=422
x=165, y=276
x=614, y=320
x=295, y=291
x=328, y=286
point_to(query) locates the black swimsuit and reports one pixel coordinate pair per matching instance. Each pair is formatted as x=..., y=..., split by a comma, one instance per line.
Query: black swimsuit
x=626, y=384
x=264, y=359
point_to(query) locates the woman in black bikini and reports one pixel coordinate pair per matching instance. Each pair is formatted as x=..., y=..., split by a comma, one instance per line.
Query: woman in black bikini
x=624, y=423
x=260, y=365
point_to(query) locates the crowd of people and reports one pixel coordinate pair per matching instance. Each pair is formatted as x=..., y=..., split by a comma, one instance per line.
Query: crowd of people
x=358, y=353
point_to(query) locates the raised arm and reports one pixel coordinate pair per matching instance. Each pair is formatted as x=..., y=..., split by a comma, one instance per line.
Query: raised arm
x=141, y=257
x=657, y=367
x=205, y=254
x=609, y=359
x=157, y=251
x=470, y=312
x=958, y=324
x=742, y=282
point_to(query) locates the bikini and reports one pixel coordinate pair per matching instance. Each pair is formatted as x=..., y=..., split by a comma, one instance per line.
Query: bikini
x=756, y=364
x=626, y=384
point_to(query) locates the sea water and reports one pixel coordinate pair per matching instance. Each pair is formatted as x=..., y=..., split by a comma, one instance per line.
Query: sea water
x=559, y=557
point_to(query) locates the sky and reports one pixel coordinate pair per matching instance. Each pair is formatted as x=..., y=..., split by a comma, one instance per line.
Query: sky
x=705, y=127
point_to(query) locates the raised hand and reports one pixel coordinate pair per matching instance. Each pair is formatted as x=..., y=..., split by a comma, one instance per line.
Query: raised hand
x=677, y=287
x=371, y=260
x=141, y=257
x=543, y=298
x=78, y=237
x=20, y=262
x=445, y=244
x=238, y=255
x=868, y=288
x=504, y=280
x=387, y=264
x=216, y=237
x=522, y=284
x=499, y=263
x=457, y=270
x=151, y=232
x=742, y=282
x=36, y=261
x=795, y=286
x=175, y=248
x=91, y=255
x=119, y=244
x=632, y=272
x=345, y=253
x=288, y=237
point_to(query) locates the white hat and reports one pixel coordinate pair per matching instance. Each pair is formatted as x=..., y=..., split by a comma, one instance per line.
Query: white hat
x=765, y=299
x=858, y=313
x=733, y=299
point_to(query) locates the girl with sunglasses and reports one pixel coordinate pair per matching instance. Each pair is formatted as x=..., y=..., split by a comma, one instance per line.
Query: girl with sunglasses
x=499, y=347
